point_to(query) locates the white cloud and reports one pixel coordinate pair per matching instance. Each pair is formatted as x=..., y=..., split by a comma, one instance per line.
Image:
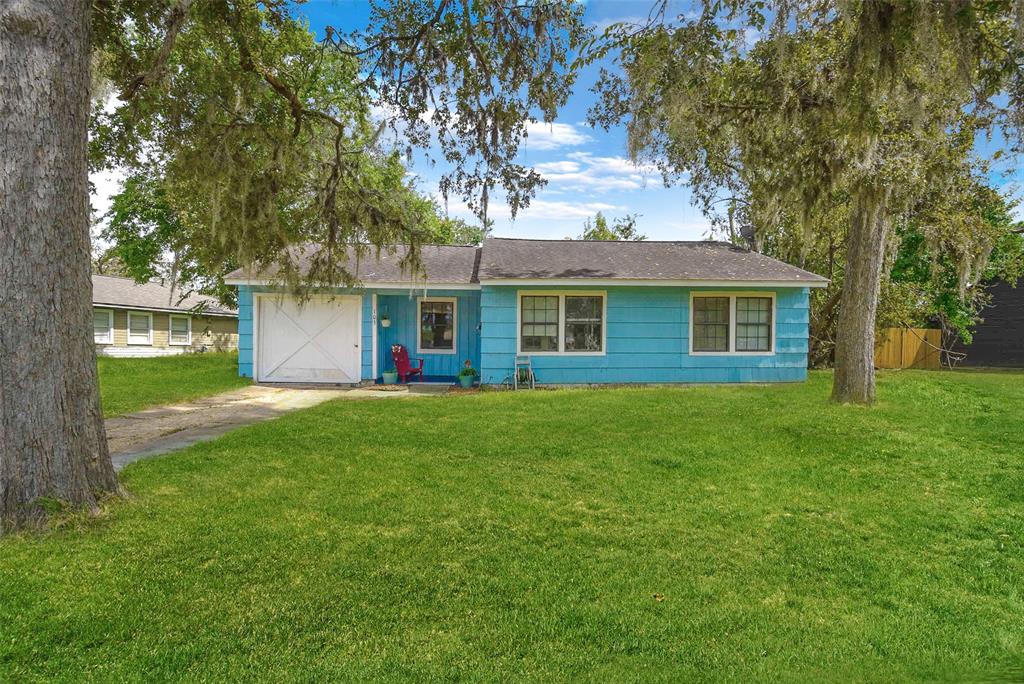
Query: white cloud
x=588, y=180
x=539, y=209
x=564, y=211
x=584, y=172
x=551, y=136
x=557, y=167
x=620, y=165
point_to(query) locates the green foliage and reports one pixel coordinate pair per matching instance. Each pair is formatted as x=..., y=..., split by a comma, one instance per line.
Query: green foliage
x=149, y=239
x=554, y=536
x=468, y=371
x=455, y=231
x=469, y=76
x=863, y=98
x=944, y=272
x=942, y=257
x=264, y=137
x=442, y=229
x=842, y=118
x=622, y=229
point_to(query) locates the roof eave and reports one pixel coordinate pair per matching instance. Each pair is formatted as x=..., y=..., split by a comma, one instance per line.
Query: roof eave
x=157, y=309
x=365, y=285
x=653, y=282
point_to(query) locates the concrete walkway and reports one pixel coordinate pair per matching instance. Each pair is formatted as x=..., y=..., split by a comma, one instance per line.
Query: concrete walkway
x=168, y=428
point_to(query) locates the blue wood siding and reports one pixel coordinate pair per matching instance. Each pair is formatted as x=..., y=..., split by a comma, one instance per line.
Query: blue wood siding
x=647, y=338
x=245, y=328
x=647, y=341
x=245, y=331
x=401, y=308
x=366, y=341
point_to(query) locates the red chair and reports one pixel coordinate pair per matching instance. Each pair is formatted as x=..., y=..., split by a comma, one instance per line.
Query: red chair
x=405, y=369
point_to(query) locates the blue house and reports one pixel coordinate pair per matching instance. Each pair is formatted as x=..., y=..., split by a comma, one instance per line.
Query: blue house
x=583, y=312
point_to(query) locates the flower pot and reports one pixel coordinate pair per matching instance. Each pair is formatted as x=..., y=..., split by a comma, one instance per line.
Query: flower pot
x=390, y=377
x=466, y=380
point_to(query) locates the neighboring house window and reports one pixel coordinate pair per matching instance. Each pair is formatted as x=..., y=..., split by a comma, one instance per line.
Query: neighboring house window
x=711, y=324
x=571, y=323
x=731, y=324
x=437, y=326
x=753, y=324
x=140, y=328
x=181, y=330
x=103, y=326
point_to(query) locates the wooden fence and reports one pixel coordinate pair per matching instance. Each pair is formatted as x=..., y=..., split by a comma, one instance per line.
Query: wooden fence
x=908, y=348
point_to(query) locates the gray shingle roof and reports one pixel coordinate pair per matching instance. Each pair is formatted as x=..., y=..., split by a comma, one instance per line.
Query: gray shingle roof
x=515, y=259
x=509, y=258
x=125, y=293
x=451, y=264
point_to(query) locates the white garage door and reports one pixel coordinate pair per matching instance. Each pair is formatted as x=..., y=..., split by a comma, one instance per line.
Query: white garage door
x=312, y=341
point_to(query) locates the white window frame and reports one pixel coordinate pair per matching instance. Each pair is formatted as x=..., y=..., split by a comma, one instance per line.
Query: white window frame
x=732, y=323
x=561, y=294
x=128, y=321
x=455, y=325
x=110, y=326
x=170, y=330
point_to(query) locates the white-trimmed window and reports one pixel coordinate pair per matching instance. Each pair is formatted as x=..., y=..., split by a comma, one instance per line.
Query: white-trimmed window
x=103, y=326
x=754, y=324
x=562, y=323
x=732, y=323
x=437, y=328
x=179, y=331
x=140, y=327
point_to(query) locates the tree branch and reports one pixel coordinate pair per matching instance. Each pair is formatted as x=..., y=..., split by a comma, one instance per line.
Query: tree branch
x=175, y=21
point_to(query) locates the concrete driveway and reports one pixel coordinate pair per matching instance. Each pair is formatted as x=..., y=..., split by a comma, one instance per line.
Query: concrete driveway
x=168, y=428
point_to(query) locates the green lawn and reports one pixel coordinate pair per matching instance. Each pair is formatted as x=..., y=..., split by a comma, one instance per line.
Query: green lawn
x=128, y=385
x=730, y=533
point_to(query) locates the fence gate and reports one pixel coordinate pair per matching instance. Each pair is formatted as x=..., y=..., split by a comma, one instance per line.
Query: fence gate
x=908, y=348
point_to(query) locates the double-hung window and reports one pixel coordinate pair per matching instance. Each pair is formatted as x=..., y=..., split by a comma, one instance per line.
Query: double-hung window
x=539, y=323
x=437, y=325
x=103, y=326
x=710, y=324
x=140, y=327
x=584, y=323
x=731, y=324
x=570, y=323
x=753, y=324
x=180, y=332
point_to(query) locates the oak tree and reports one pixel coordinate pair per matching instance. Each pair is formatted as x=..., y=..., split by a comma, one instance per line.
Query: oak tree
x=774, y=106
x=264, y=130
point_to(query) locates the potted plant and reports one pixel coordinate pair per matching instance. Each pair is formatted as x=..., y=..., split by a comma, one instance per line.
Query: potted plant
x=468, y=374
x=390, y=376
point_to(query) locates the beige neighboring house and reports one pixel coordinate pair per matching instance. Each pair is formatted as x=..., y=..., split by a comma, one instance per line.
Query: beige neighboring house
x=129, y=319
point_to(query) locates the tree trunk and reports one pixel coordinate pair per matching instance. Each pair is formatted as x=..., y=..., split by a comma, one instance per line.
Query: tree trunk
x=854, y=380
x=53, y=449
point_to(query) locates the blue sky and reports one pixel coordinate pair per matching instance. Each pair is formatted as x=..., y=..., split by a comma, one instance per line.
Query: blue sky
x=587, y=170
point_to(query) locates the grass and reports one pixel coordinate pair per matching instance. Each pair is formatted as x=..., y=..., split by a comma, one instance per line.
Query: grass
x=729, y=533
x=128, y=385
